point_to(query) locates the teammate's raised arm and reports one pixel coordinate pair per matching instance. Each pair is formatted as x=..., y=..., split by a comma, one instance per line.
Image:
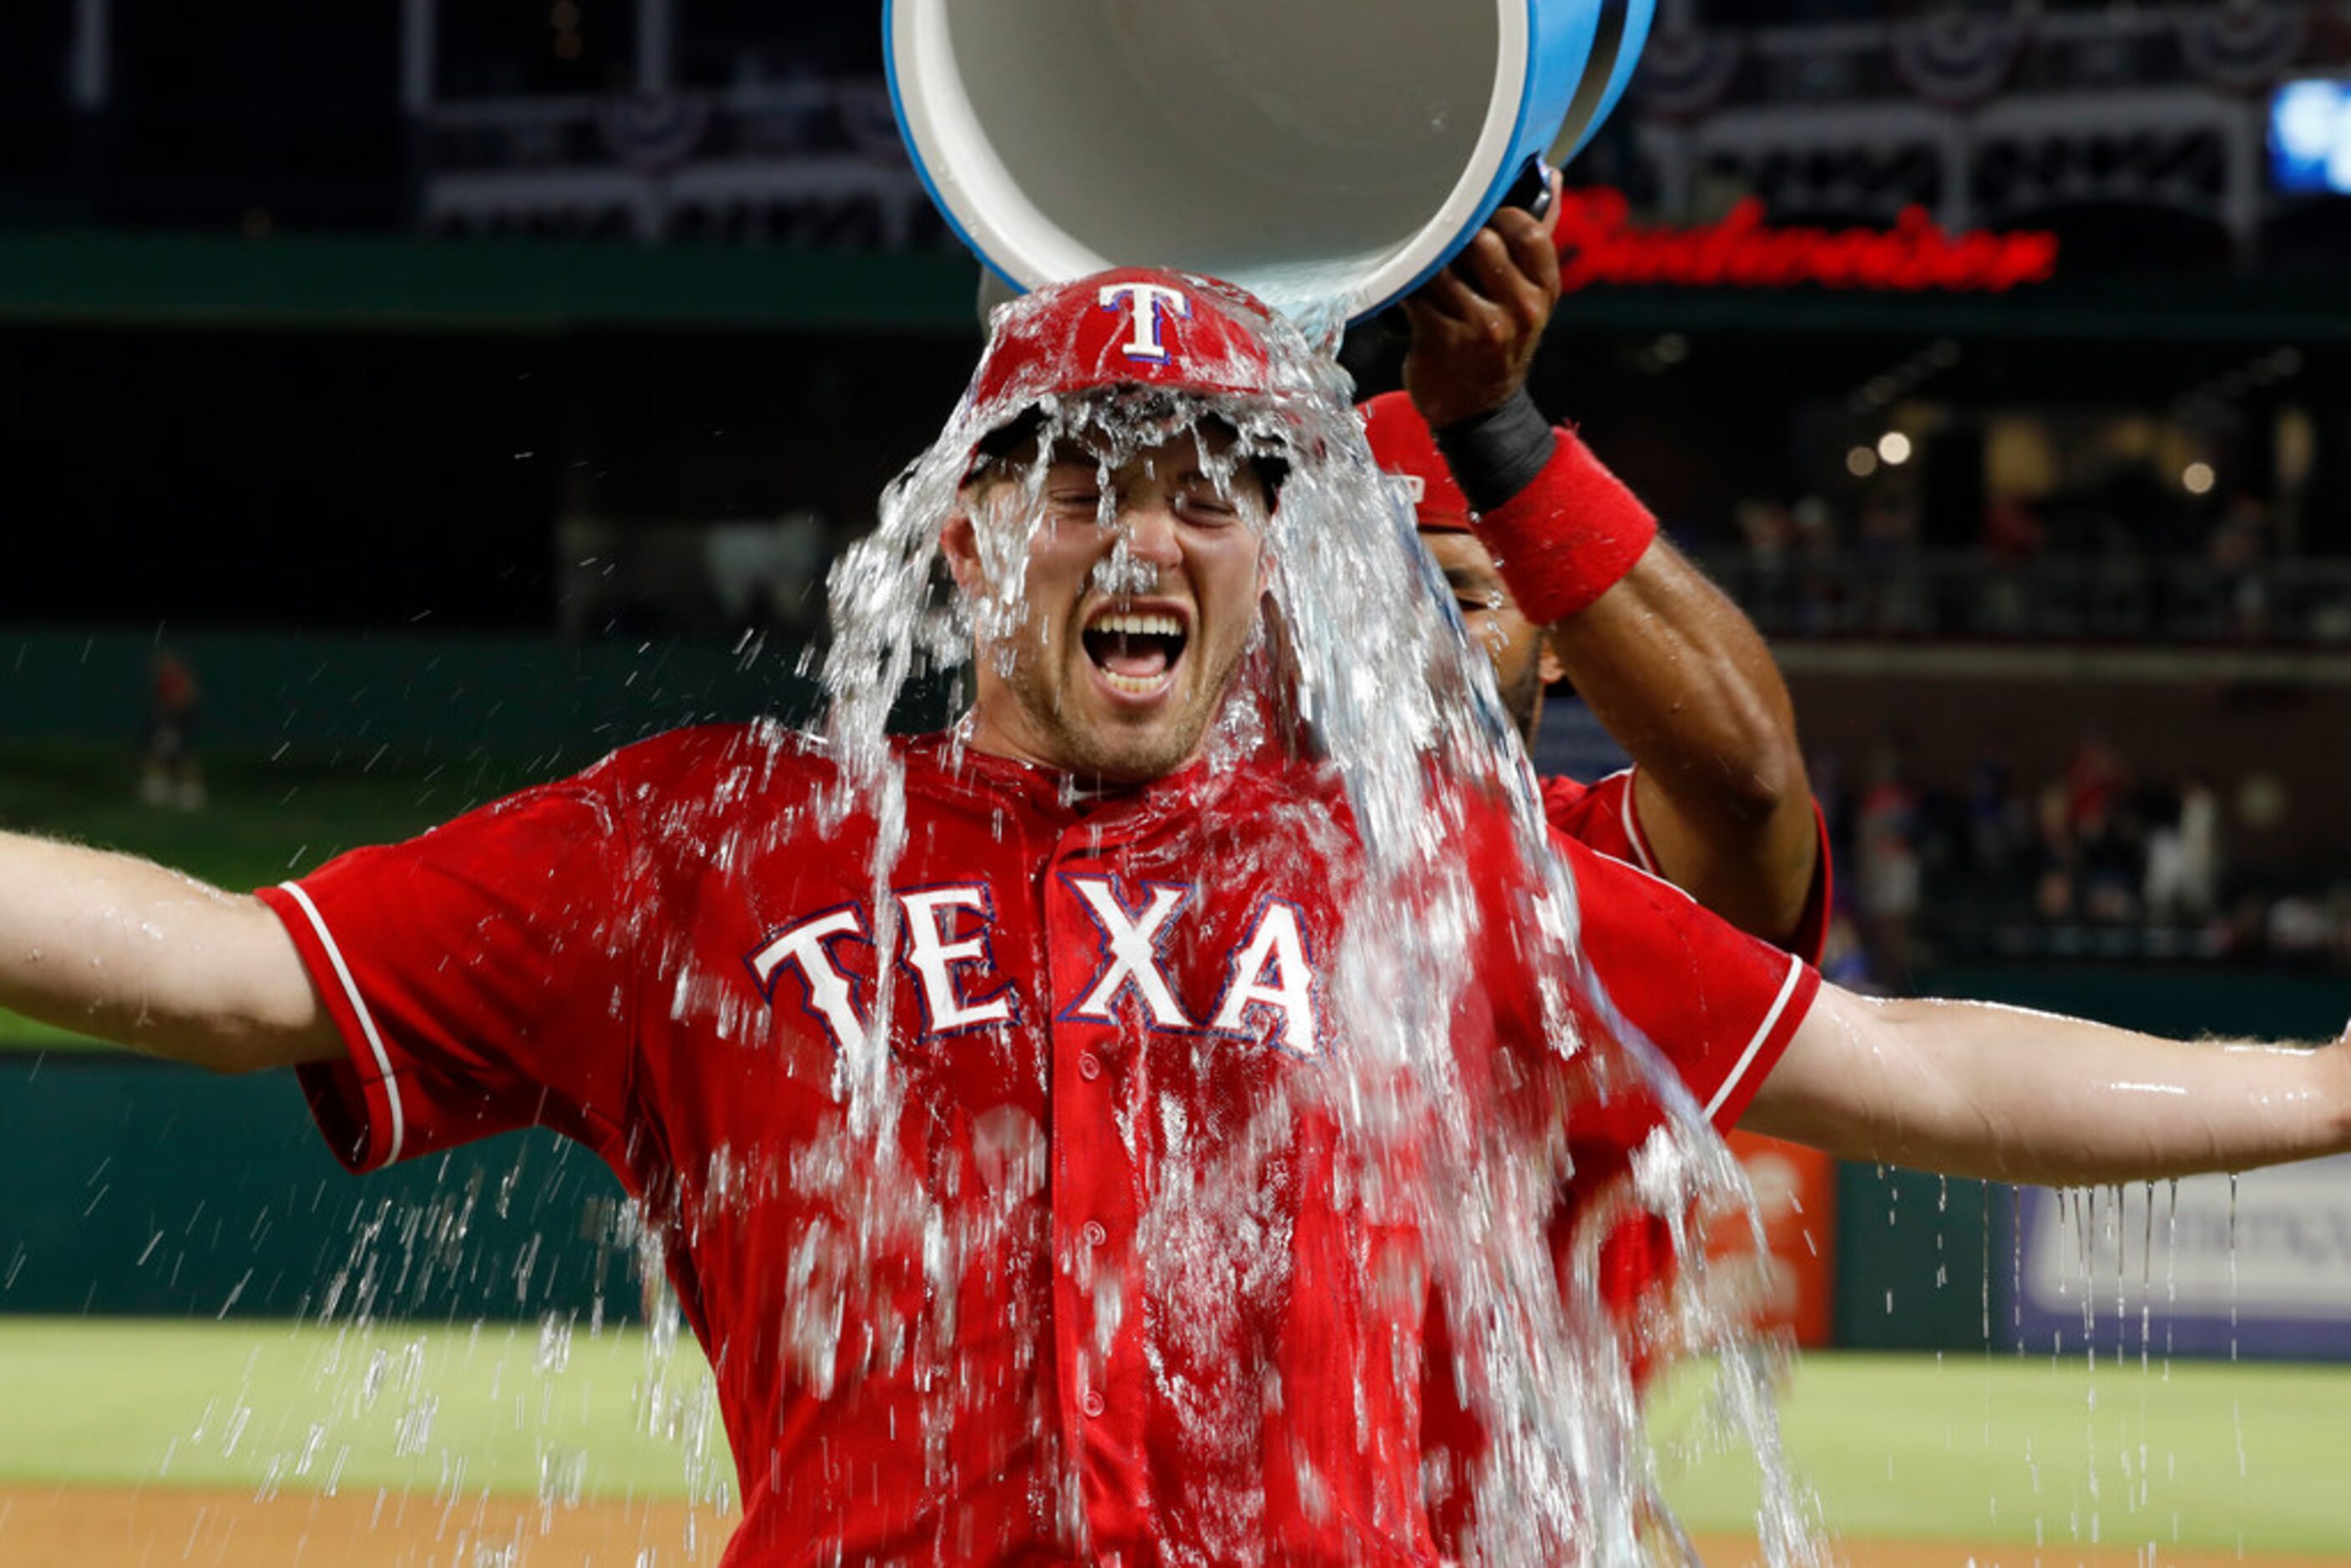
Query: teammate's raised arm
x=1977, y=1090
x=124, y=950
x=1679, y=675
x=1565, y=577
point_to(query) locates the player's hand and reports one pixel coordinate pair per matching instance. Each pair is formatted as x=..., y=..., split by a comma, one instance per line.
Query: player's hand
x=1472, y=346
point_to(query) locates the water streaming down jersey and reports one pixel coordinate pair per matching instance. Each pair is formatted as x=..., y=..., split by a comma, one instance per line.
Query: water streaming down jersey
x=1196, y=1111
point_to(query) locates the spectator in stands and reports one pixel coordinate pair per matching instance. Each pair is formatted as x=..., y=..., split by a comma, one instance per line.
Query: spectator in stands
x=2012, y=538
x=1845, y=958
x=1886, y=830
x=2238, y=551
x=2305, y=929
x=1998, y=820
x=2183, y=854
x=2012, y=532
x=1813, y=547
x=1894, y=575
x=2102, y=825
x=1766, y=529
x=169, y=773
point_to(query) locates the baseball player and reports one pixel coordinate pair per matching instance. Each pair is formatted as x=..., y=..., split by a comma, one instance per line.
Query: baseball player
x=1560, y=574
x=1135, y=1324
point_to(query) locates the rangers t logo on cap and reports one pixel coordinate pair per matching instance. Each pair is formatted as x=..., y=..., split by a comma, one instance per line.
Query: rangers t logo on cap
x=1131, y=326
x=1143, y=302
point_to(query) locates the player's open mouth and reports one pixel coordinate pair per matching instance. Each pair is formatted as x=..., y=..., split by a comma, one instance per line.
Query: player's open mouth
x=1136, y=650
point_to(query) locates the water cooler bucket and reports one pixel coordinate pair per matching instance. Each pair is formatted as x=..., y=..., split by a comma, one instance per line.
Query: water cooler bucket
x=1308, y=150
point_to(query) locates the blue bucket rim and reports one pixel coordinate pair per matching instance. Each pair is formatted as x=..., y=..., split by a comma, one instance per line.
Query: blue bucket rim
x=1633, y=28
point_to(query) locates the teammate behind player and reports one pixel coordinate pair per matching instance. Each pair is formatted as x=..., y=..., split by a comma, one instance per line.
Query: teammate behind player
x=1135, y=1324
x=1561, y=574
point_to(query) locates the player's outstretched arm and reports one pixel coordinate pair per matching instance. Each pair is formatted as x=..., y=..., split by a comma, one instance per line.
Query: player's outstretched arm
x=1673, y=669
x=124, y=950
x=1978, y=1090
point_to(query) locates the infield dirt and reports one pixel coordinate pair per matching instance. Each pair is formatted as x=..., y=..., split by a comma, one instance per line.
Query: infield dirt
x=80, y=1527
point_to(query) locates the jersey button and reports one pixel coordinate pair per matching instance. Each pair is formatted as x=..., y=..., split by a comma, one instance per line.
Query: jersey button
x=1089, y=1066
x=1093, y=1403
x=1094, y=1233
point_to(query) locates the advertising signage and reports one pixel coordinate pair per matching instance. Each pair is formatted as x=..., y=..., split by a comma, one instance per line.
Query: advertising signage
x=2254, y=1266
x=1599, y=244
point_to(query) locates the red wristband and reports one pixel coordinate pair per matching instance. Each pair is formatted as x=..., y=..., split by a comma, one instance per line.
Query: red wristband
x=1570, y=536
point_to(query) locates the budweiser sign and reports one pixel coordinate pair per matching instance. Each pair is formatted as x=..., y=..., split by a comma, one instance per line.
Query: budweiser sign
x=1599, y=244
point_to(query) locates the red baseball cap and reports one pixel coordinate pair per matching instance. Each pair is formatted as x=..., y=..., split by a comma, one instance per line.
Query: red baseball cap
x=1132, y=326
x=1402, y=444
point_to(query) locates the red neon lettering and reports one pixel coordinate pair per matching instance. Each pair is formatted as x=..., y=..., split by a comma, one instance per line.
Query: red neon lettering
x=1599, y=244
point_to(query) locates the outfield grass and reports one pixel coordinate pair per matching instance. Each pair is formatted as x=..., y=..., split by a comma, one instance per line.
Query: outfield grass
x=267, y=815
x=124, y=1403
x=1963, y=1448
x=1976, y=1448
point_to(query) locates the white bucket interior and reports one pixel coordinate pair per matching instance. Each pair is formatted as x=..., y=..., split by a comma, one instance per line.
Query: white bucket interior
x=1299, y=149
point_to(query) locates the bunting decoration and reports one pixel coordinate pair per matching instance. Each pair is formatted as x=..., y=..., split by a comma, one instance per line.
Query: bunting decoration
x=1957, y=60
x=2241, y=46
x=1684, y=71
x=653, y=133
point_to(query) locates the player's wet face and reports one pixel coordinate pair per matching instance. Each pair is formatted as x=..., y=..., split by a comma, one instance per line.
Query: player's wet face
x=1522, y=666
x=1139, y=591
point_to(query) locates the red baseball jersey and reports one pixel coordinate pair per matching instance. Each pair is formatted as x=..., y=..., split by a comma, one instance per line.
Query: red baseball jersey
x=1135, y=1325
x=1604, y=816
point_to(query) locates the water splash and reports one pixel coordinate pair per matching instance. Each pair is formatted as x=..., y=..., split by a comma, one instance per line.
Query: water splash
x=1360, y=662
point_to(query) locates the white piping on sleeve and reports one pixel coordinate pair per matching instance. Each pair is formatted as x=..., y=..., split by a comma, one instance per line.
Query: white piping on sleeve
x=1762, y=1033
x=360, y=1007
x=1633, y=824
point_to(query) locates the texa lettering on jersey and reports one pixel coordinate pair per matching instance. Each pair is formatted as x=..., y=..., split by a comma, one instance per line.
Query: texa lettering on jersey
x=1268, y=992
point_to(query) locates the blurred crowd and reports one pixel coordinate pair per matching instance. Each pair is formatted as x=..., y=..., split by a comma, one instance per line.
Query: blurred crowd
x=2084, y=569
x=2095, y=862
